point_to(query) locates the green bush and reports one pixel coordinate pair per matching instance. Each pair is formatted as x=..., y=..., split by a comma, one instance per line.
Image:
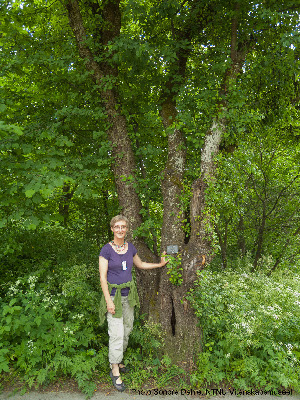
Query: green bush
x=44, y=336
x=250, y=325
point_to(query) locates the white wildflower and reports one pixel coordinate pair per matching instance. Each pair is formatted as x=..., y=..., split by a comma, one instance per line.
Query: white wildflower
x=30, y=346
x=32, y=281
x=68, y=330
x=78, y=316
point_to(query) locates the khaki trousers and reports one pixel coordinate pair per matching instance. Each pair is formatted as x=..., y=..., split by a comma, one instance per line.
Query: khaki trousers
x=119, y=330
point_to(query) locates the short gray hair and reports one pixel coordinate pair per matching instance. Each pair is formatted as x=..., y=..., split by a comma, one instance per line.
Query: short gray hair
x=118, y=218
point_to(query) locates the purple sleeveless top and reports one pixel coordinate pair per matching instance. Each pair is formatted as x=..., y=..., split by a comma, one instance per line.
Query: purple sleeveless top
x=119, y=266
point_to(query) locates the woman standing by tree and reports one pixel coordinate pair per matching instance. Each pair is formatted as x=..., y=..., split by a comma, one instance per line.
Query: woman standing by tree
x=119, y=293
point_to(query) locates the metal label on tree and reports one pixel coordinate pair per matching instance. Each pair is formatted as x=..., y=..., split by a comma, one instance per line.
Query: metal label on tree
x=172, y=249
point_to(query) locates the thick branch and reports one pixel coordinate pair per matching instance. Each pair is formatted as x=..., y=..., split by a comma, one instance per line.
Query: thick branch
x=124, y=163
x=210, y=150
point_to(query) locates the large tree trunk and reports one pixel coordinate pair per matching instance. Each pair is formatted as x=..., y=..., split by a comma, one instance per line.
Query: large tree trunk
x=172, y=310
x=123, y=163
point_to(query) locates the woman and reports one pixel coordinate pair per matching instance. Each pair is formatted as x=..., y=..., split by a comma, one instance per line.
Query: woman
x=119, y=293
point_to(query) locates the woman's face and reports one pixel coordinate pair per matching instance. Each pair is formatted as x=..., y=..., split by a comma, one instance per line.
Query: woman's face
x=119, y=229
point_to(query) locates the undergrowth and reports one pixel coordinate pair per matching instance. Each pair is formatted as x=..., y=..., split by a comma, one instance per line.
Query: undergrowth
x=49, y=327
x=250, y=324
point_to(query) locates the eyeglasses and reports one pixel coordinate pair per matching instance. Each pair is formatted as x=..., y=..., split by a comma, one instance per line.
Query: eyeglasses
x=118, y=228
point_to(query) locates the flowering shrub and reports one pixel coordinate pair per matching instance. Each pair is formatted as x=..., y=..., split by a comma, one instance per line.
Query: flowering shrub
x=250, y=327
x=41, y=336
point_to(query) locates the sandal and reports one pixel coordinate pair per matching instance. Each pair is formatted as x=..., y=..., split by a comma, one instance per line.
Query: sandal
x=119, y=386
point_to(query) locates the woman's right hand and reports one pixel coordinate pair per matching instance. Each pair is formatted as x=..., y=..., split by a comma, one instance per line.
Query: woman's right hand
x=111, y=307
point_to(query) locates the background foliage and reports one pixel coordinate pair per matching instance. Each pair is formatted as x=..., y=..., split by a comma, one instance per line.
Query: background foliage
x=58, y=191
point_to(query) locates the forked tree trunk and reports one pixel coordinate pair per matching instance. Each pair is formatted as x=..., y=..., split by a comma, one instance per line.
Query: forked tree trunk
x=170, y=308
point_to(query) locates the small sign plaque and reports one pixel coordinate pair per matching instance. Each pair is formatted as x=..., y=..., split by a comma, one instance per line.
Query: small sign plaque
x=172, y=249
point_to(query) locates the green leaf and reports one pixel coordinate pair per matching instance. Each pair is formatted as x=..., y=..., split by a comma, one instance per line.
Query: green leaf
x=30, y=192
